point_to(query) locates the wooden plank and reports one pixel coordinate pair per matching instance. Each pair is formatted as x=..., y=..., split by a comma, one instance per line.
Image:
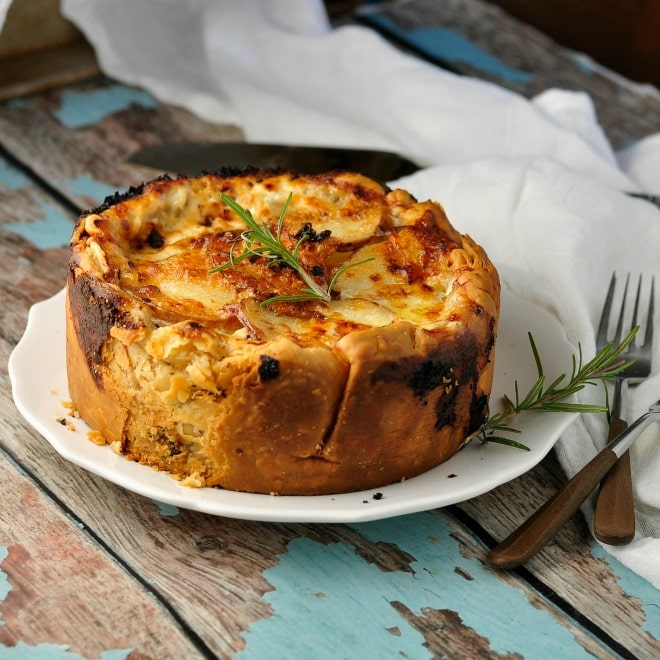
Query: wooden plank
x=80, y=137
x=34, y=230
x=32, y=26
x=622, y=37
x=40, y=49
x=244, y=585
x=55, y=581
x=59, y=591
x=489, y=44
x=34, y=72
x=228, y=607
x=573, y=565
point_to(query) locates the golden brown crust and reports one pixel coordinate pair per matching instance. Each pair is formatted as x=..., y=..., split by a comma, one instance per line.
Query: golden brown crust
x=187, y=372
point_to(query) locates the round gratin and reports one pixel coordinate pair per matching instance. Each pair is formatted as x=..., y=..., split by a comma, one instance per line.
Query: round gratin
x=178, y=356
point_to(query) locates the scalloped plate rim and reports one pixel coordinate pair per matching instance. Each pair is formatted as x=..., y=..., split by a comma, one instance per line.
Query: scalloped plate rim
x=38, y=377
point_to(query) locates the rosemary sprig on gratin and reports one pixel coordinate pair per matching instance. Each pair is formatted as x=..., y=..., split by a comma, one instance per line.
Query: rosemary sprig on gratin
x=606, y=364
x=260, y=241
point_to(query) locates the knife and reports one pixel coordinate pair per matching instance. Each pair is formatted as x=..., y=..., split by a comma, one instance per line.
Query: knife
x=193, y=158
x=653, y=199
x=540, y=528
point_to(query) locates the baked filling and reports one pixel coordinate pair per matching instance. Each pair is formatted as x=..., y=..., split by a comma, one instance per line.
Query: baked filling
x=183, y=367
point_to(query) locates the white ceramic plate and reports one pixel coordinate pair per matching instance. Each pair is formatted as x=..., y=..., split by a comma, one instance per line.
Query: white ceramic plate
x=38, y=374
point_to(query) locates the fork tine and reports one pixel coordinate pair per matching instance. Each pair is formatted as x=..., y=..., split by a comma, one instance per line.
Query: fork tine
x=633, y=322
x=648, y=334
x=603, y=325
x=607, y=317
x=619, y=325
x=614, y=514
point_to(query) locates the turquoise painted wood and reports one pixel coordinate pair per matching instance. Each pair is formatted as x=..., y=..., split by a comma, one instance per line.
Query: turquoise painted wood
x=637, y=587
x=26, y=211
x=414, y=586
x=450, y=47
x=80, y=108
x=352, y=608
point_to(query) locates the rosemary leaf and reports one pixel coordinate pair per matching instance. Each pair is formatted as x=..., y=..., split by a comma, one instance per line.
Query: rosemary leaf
x=259, y=241
x=501, y=440
x=605, y=365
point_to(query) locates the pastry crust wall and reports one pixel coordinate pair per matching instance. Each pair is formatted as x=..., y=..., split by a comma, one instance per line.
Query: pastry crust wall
x=186, y=372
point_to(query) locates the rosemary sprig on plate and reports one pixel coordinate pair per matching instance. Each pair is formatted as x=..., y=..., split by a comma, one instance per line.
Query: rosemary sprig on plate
x=260, y=241
x=606, y=364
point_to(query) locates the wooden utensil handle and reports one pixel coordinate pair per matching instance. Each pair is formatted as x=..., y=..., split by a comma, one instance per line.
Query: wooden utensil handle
x=614, y=517
x=542, y=526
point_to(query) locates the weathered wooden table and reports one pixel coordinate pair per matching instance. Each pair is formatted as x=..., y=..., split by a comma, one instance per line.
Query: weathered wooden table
x=90, y=570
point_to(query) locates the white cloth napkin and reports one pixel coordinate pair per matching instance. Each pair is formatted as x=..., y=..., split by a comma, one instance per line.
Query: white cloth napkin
x=537, y=183
x=4, y=8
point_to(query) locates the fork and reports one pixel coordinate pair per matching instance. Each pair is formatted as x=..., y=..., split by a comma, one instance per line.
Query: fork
x=541, y=527
x=614, y=516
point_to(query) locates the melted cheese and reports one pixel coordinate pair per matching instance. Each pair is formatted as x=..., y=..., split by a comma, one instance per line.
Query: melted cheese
x=161, y=244
x=188, y=371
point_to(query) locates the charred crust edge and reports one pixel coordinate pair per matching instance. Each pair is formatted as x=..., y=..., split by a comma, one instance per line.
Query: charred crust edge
x=118, y=197
x=224, y=172
x=452, y=368
x=95, y=310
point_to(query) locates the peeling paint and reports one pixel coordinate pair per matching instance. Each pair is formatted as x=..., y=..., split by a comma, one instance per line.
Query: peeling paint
x=638, y=587
x=362, y=604
x=166, y=510
x=5, y=587
x=18, y=103
x=44, y=651
x=450, y=46
x=52, y=230
x=584, y=63
x=12, y=177
x=86, y=186
x=80, y=108
x=22, y=651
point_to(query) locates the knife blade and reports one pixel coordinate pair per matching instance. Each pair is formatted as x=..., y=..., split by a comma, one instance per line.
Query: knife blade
x=653, y=199
x=193, y=158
